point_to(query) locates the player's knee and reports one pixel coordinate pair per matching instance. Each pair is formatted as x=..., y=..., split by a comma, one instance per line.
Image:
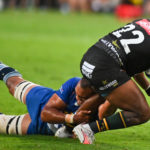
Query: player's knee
x=12, y=83
x=19, y=87
x=144, y=118
x=22, y=89
x=145, y=115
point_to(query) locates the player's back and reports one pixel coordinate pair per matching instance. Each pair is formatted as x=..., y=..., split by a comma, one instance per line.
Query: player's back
x=134, y=40
x=132, y=44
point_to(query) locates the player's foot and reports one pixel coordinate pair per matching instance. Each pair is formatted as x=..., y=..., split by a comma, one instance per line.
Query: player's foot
x=84, y=133
x=63, y=133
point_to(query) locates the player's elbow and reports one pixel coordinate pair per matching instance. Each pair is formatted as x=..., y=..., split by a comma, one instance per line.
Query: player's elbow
x=43, y=116
x=48, y=116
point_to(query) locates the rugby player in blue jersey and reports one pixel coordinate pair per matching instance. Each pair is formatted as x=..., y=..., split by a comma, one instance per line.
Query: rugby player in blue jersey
x=47, y=108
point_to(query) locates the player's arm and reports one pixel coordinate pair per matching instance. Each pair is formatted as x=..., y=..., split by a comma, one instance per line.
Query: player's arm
x=53, y=112
x=92, y=103
x=143, y=82
x=106, y=109
x=98, y=103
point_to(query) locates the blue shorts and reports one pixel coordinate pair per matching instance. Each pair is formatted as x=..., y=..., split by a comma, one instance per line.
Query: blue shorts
x=35, y=101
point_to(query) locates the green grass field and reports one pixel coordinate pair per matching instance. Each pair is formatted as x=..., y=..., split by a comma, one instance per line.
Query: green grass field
x=46, y=47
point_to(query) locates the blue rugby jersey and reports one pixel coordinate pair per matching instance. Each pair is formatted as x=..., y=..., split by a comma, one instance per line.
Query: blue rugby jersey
x=68, y=95
x=38, y=97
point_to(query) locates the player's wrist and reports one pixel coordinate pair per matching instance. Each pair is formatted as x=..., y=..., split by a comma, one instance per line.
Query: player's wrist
x=148, y=90
x=69, y=118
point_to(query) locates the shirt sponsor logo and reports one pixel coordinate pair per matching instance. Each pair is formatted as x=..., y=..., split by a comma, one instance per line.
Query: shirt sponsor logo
x=144, y=24
x=112, y=83
x=110, y=45
x=113, y=49
x=61, y=89
x=87, y=69
x=115, y=44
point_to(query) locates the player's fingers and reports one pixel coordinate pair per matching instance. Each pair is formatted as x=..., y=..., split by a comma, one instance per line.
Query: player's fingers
x=86, y=112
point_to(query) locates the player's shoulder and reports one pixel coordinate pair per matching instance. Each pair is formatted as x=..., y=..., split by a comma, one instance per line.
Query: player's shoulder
x=75, y=79
x=70, y=84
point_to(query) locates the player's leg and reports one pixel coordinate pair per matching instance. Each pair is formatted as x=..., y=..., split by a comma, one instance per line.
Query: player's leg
x=127, y=97
x=17, y=86
x=14, y=124
x=131, y=100
x=106, y=109
x=34, y=96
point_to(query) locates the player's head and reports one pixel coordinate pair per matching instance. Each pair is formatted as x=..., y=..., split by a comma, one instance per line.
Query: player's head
x=83, y=90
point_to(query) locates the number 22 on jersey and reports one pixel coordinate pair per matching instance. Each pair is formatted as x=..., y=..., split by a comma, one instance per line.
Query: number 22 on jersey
x=138, y=37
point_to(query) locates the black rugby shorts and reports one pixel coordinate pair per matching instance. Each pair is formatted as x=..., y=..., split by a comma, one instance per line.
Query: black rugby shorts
x=102, y=70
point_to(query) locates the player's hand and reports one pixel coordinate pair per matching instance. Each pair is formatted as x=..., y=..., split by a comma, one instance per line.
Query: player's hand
x=83, y=116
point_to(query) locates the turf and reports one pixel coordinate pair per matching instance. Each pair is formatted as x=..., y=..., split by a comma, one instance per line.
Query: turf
x=46, y=47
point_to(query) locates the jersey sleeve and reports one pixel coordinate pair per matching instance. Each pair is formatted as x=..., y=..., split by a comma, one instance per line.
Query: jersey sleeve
x=67, y=89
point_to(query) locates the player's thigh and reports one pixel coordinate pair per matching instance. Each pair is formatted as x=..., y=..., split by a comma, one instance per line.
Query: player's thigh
x=129, y=97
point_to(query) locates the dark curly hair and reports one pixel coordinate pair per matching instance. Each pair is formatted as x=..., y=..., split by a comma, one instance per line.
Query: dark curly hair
x=85, y=83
